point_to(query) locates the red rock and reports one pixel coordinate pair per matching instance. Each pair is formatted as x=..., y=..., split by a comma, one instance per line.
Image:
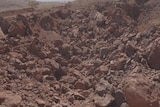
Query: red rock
x=18, y=28
x=44, y=71
x=119, y=98
x=76, y=50
x=65, y=49
x=4, y=25
x=47, y=23
x=119, y=64
x=10, y=99
x=103, y=87
x=82, y=85
x=99, y=19
x=25, y=21
x=130, y=50
x=124, y=105
x=2, y=35
x=103, y=52
x=103, y=101
x=75, y=60
x=58, y=43
x=68, y=79
x=61, y=61
x=63, y=13
x=138, y=87
x=40, y=102
x=102, y=69
x=54, y=65
x=154, y=55
x=22, y=18
x=78, y=96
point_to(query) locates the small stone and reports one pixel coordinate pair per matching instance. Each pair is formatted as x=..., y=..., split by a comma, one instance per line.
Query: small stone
x=78, y=96
x=124, y=105
x=81, y=85
x=44, y=71
x=98, y=62
x=102, y=69
x=100, y=90
x=130, y=50
x=75, y=60
x=103, y=101
x=40, y=102
x=58, y=43
x=103, y=52
x=2, y=35
x=68, y=79
x=4, y=24
x=65, y=50
x=10, y=99
x=103, y=87
x=54, y=65
x=76, y=50
x=119, y=64
x=119, y=97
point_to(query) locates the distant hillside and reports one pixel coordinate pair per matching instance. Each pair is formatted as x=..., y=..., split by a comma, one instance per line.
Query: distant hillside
x=13, y=4
x=19, y=4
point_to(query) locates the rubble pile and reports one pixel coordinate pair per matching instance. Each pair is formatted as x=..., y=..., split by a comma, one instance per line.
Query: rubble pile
x=91, y=56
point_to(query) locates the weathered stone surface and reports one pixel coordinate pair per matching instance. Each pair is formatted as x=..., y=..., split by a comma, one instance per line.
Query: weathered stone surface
x=103, y=52
x=40, y=102
x=153, y=58
x=4, y=25
x=47, y=23
x=130, y=50
x=9, y=99
x=58, y=43
x=119, y=64
x=119, y=98
x=82, y=85
x=103, y=87
x=2, y=35
x=103, y=101
x=138, y=87
x=63, y=13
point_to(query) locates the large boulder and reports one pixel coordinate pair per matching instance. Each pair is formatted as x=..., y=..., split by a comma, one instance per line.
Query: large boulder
x=19, y=28
x=47, y=23
x=9, y=99
x=4, y=25
x=2, y=35
x=25, y=22
x=140, y=91
x=63, y=14
x=154, y=55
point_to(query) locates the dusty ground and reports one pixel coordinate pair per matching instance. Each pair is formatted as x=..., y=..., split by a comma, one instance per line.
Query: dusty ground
x=105, y=54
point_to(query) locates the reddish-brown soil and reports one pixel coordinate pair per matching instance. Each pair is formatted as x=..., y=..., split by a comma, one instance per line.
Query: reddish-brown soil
x=100, y=55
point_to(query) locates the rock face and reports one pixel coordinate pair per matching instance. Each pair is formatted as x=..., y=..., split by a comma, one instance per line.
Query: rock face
x=9, y=99
x=140, y=88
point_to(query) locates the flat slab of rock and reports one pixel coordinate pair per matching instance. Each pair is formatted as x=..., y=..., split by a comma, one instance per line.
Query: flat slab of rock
x=9, y=99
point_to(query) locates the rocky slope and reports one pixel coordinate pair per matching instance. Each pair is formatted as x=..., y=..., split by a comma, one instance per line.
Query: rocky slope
x=94, y=56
